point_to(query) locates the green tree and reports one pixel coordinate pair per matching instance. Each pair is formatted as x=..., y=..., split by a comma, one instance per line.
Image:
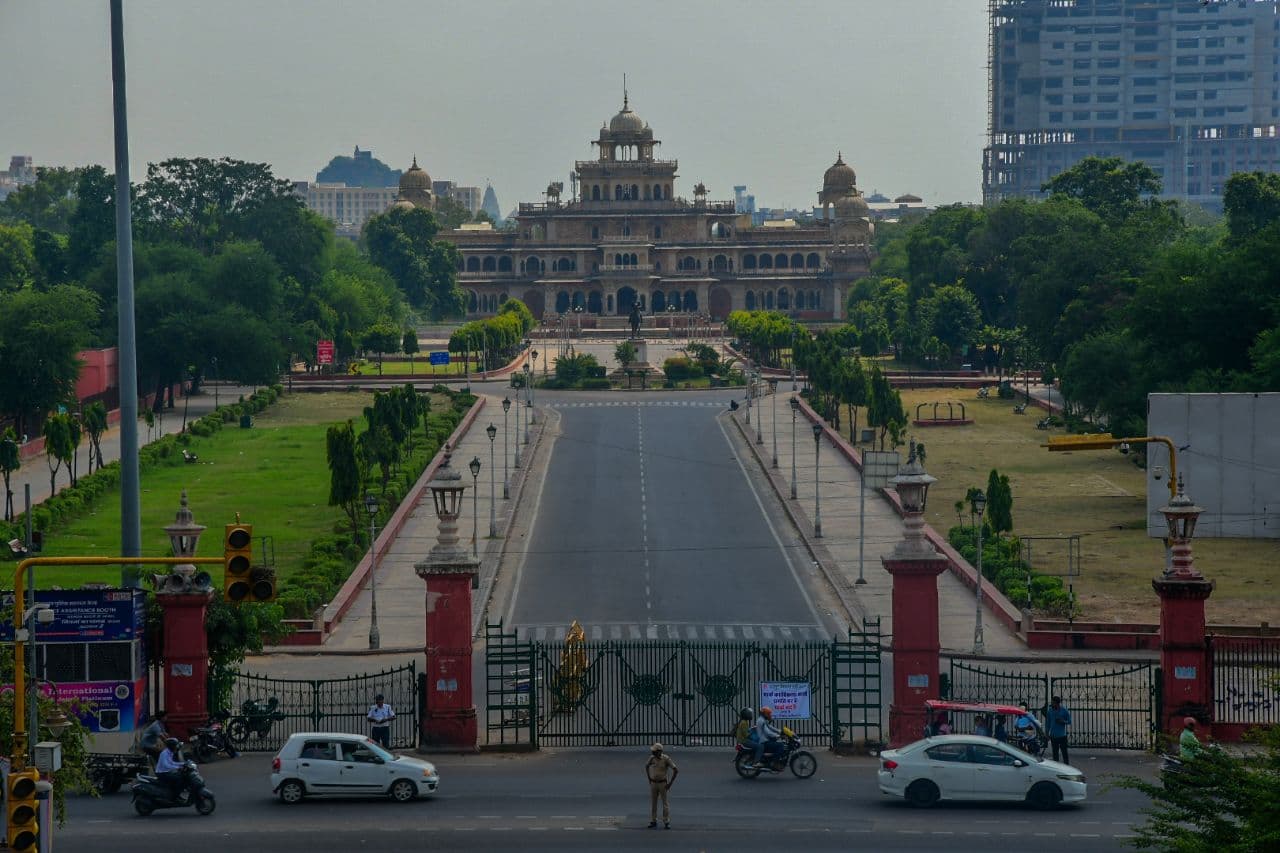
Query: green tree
x=451, y=213
x=515, y=306
x=855, y=391
x=1109, y=186
x=92, y=224
x=57, y=447
x=999, y=503
x=48, y=203
x=74, y=434
x=1102, y=374
x=953, y=316
x=381, y=338
x=17, y=256
x=95, y=423
x=10, y=461
x=50, y=253
x=884, y=409
x=409, y=346
x=40, y=336
x=1251, y=201
x=624, y=353
x=344, y=472
x=403, y=242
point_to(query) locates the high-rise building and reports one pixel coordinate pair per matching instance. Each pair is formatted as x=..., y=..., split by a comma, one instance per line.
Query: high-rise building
x=490, y=203
x=468, y=197
x=1190, y=87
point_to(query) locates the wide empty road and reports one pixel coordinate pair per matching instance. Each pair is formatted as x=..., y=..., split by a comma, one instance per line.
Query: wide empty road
x=648, y=527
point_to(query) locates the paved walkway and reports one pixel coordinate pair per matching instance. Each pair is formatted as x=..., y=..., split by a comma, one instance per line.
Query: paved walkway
x=401, y=594
x=839, y=485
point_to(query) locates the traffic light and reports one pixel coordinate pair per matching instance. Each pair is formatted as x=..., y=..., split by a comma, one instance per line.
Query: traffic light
x=237, y=561
x=262, y=583
x=23, y=830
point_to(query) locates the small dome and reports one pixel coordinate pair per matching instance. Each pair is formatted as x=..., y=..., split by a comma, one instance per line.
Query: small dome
x=627, y=121
x=840, y=177
x=852, y=207
x=415, y=178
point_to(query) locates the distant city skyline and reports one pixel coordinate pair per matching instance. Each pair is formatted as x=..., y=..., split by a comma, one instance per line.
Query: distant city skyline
x=754, y=93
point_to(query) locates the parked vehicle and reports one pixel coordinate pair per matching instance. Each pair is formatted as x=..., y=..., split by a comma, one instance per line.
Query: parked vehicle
x=255, y=719
x=208, y=740
x=151, y=793
x=802, y=762
x=969, y=767
x=327, y=763
x=109, y=771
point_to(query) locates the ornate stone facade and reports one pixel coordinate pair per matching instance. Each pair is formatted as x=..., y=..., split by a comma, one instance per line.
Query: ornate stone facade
x=624, y=237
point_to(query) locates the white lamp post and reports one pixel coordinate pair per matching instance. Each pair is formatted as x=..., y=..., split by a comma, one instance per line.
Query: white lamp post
x=371, y=506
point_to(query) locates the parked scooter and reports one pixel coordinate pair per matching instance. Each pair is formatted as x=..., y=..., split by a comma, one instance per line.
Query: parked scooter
x=151, y=793
x=208, y=740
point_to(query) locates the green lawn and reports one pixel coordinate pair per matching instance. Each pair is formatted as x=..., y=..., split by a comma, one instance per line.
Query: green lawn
x=419, y=367
x=1097, y=494
x=274, y=475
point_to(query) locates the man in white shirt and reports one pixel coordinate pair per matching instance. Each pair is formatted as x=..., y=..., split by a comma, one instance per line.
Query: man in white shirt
x=380, y=716
x=169, y=767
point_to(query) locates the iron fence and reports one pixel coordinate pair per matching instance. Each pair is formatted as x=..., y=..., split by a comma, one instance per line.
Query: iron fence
x=325, y=705
x=1245, y=675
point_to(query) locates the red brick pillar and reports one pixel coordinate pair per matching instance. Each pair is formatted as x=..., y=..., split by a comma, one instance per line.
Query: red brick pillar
x=915, y=566
x=449, y=711
x=186, y=660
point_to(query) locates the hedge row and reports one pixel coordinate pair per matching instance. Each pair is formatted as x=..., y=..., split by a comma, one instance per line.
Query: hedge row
x=1002, y=564
x=333, y=557
x=74, y=501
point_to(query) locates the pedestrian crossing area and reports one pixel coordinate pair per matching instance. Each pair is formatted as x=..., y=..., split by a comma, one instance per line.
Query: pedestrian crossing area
x=677, y=632
x=696, y=404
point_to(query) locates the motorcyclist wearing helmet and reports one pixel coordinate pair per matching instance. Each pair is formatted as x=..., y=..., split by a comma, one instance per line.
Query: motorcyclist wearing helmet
x=742, y=731
x=169, y=766
x=765, y=733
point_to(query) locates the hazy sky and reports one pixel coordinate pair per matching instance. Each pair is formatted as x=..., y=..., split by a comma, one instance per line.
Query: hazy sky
x=756, y=93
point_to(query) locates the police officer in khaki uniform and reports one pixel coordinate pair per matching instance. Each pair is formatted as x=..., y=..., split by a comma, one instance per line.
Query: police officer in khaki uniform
x=656, y=770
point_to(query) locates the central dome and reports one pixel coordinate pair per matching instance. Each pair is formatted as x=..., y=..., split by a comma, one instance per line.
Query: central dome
x=415, y=178
x=626, y=121
x=840, y=177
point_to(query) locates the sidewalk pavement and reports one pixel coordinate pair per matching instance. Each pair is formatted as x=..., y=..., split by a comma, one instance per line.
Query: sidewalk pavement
x=401, y=594
x=35, y=469
x=837, y=549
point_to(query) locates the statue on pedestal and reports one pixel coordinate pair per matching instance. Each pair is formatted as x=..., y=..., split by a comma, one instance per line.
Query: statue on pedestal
x=634, y=319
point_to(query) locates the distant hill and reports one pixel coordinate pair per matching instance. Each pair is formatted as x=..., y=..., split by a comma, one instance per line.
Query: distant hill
x=359, y=170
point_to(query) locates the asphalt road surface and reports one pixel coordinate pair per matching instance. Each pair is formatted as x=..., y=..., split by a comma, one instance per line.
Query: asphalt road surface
x=648, y=527
x=597, y=799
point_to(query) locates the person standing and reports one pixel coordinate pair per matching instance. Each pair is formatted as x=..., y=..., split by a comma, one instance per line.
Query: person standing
x=1058, y=718
x=656, y=770
x=380, y=716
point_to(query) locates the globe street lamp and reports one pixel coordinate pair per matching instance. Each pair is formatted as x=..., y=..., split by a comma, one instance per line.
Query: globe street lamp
x=506, y=449
x=492, y=431
x=475, y=507
x=817, y=481
x=979, y=501
x=516, y=461
x=671, y=319
x=795, y=407
x=759, y=383
x=773, y=417
x=371, y=507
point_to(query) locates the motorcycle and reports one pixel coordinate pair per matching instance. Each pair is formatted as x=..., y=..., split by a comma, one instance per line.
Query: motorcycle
x=1032, y=743
x=256, y=718
x=151, y=793
x=208, y=740
x=802, y=762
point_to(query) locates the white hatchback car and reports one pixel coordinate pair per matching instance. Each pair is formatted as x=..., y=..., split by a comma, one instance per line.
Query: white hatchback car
x=968, y=767
x=313, y=763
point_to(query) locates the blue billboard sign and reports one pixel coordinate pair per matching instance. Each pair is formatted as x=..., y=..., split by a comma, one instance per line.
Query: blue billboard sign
x=86, y=615
x=439, y=357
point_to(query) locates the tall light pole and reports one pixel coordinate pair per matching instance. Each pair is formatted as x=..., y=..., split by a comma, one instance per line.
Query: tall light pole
x=795, y=408
x=793, y=359
x=528, y=384
x=493, y=477
x=475, y=506
x=506, y=449
x=130, y=494
x=526, y=411
x=979, y=501
x=751, y=387
x=516, y=461
x=533, y=354
x=817, y=481
x=773, y=417
x=371, y=506
x=759, y=415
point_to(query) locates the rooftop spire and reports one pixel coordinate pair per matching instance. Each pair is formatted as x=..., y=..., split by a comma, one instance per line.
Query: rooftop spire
x=624, y=92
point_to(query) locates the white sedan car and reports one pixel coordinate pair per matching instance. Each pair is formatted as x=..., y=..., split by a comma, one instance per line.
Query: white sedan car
x=968, y=767
x=318, y=763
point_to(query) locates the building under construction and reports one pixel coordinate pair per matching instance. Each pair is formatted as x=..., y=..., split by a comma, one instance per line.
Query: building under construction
x=1190, y=87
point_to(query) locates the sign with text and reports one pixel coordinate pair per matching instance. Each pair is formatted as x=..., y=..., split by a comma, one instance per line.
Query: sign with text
x=788, y=699
x=439, y=357
x=324, y=352
x=85, y=615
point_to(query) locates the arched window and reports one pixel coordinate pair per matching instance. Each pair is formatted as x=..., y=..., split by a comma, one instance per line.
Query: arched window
x=780, y=262
x=533, y=266
x=797, y=261
x=489, y=264
x=768, y=300
x=504, y=264
x=502, y=298
x=748, y=262
x=632, y=260
x=689, y=263
x=595, y=192
x=719, y=230
x=751, y=301
x=593, y=302
x=471, y=302
x=721, y=262
x=635, y=192
x=562, y=302
x=659, y=301
x=766, y=262
x=784, y=303
x=799, y=300
x=690, y=300
x=812, y=261
x=579, y=301
x=657, y=191
x=617, y=260
x=473, y=264
x=617, y=192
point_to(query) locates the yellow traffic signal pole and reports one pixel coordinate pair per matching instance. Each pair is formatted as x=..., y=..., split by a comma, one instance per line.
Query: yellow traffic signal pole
x=1106, y=440
x=18, y=756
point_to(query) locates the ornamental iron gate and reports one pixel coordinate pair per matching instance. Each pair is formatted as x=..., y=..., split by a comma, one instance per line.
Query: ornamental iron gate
x=1244, y=680
x=616, y=693
x=1110, y=709
x=323, y=705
